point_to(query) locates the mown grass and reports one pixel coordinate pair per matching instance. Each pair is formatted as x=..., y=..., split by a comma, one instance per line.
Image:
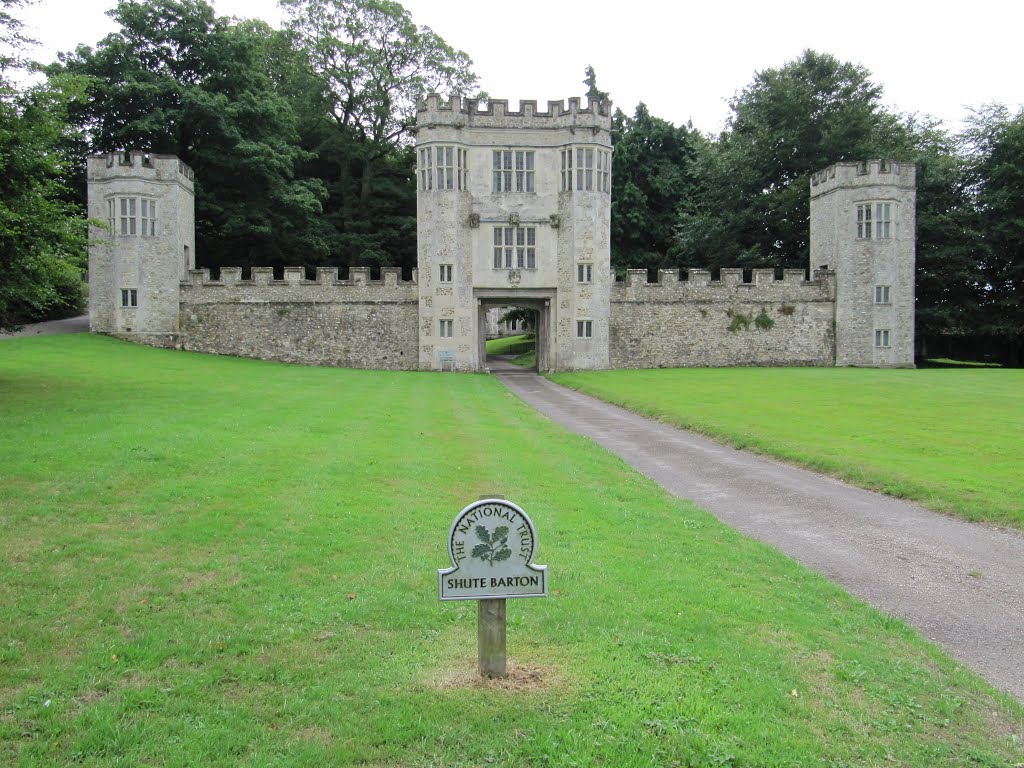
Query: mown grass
x=510, y=345
x=947, y=438
x=526, y=360
x=212, y=561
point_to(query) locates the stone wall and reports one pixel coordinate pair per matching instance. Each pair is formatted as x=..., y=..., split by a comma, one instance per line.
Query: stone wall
x=353, y=323
x=700, y=322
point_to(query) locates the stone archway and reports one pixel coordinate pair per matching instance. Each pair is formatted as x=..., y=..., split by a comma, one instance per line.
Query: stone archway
x=539, y=300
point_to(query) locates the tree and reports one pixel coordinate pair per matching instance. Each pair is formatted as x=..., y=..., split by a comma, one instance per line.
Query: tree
x=948, y=272
x=375, y=63
x=366, y=65
x=996, y=141
x=42, y=234
x=177, y=79
x=651, y=177
x=753, y=206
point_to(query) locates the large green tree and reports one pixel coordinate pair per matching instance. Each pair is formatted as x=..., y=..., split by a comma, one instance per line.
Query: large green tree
x=178, y=79
x=42, y=233
x=651, y=177
x=996, y=141
x=370, y=63
x=753, y=201
x=948, y=274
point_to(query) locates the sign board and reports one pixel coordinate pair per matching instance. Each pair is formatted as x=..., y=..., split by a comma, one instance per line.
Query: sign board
x=491, y=546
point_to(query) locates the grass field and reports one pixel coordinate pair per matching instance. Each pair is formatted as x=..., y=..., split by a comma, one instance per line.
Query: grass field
x=510, y=345
x=951, y=439
x=212, y=561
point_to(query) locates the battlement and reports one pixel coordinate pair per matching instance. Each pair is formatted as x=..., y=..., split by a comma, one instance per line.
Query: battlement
x=261, y=288
x=434, y=111
x=730, y=280
x=138, y=165
x=391, y=277
x=864, y=174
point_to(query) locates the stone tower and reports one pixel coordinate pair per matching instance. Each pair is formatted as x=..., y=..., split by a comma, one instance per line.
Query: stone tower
x=137, y=263
x=513, y=209
x=863, y=229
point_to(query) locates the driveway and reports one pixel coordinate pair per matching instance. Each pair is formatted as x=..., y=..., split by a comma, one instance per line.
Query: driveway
x=961, y=584
x=70, y=325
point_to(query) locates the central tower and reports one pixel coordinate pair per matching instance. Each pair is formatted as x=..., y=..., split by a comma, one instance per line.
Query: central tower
x=513, y=209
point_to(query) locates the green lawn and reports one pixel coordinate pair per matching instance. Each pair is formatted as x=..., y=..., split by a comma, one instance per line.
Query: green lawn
x=951, y=439
x=511, y=345
x=211, y=561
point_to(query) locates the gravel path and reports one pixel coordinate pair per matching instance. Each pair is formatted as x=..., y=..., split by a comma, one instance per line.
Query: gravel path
x=959, y=583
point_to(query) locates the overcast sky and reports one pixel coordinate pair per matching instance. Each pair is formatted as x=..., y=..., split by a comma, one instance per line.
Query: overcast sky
x=683, y=59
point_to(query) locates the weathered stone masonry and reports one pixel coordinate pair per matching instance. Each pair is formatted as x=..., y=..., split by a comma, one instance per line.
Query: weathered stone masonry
x=700, y=322
x=353, y=323
x=513, y=210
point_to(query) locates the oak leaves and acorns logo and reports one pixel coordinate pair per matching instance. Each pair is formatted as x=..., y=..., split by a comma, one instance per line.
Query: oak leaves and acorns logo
x=494, y=546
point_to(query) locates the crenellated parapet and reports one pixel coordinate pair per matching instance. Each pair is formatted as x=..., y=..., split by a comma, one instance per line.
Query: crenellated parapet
x=144, y=166
x=863, y=174
x=434, y=111
x=730, y=287
x=703, y=322
x=199, y=287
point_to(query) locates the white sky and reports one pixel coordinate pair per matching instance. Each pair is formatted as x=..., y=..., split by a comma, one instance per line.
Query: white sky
x=683, y=59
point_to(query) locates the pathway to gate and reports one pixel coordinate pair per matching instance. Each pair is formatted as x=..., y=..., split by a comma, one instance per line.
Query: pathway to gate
x=959, y=583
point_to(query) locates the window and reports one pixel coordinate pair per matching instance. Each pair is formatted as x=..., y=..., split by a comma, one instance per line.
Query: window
x=584, y=329
x=446, y=273
x=585, y=169
x=148, y=208
x=426, y=168
x=446, y=167
x=567, y=170
x=604, y=170
x=584, y=273
x=515, y=247
x=450, y=164
x=129, y=297
x=447, y=329
x=513, y=171
x=128, y=221
x=135, y=216
x=882, y=338
x=882, y=294
x=878, y=214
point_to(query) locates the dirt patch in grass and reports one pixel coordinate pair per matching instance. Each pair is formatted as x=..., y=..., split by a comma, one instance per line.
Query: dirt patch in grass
x=522, y=678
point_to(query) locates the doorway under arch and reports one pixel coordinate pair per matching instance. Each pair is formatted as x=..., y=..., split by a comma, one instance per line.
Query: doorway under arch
x=540, y=302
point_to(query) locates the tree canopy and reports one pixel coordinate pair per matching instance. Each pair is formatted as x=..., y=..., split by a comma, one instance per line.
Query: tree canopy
x=651, y=177
x=177, y=79
x=752, y=201
x=42, y=231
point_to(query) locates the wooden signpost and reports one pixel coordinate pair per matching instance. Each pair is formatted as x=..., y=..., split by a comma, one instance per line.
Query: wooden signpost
x=491, y=546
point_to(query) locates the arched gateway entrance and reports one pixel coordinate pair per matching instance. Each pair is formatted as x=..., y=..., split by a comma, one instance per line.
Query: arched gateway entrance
x=540, y=300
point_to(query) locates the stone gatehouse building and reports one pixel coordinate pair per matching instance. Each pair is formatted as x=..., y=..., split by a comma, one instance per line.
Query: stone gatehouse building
x=513, y=209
